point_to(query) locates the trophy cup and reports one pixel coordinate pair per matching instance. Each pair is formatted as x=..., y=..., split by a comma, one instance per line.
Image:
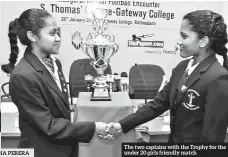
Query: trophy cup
x=100, y=50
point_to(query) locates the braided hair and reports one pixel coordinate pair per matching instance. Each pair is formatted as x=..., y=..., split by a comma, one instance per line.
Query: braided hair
x=211, y=24
x=30, y=20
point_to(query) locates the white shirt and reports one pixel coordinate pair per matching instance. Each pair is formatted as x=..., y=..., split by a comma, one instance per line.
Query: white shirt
x=55, y=75
x=191, y=68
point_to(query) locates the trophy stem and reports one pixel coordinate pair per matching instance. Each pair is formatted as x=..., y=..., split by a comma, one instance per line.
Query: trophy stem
x=100, y=75
x=100, y=50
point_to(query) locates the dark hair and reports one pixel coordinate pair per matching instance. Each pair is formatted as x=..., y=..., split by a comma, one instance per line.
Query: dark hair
x=30, y=20
x=208, y=23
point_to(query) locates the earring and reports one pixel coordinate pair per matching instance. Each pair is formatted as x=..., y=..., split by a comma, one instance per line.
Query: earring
x=33, y=40
x=203, y=45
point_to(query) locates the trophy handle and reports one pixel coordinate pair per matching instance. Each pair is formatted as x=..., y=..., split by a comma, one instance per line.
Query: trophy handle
x=85, y=49
x=115, y=49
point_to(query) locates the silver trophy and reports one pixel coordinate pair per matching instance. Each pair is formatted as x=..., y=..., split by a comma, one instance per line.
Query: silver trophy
x=100, y=50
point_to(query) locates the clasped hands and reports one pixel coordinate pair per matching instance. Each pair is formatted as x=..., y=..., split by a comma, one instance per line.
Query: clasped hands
x=108, y=131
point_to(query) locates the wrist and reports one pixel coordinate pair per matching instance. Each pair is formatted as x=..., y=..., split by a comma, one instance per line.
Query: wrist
x=120, y=127
x=96, y=126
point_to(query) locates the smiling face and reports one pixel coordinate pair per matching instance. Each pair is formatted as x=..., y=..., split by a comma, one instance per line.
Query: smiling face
x=48, y=39
x=189, y=42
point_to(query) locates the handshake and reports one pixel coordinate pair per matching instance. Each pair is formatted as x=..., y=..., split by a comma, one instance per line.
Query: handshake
x=108, y=131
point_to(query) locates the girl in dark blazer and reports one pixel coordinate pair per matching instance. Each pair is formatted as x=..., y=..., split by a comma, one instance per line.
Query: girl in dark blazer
x=197, y=94
x=38, y=89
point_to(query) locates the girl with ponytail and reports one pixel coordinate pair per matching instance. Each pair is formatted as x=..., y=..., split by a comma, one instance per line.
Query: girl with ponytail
x=38, y=88
x=197, y=93
x=7, y=68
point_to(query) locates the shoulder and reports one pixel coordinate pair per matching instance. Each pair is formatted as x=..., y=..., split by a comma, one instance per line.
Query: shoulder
x=17, y=77
x=217, y=76
x=219, y=86
x=217, y=70
x=23, y=72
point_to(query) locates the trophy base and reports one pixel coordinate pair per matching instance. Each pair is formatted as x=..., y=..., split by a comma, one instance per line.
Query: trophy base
x=100, y=94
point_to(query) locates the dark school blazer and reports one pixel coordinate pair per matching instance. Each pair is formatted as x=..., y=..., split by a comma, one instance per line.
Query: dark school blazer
x=44, y=113
x=199, y=113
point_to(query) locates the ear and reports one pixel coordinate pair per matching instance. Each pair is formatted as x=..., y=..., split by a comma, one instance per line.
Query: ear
x=31, y=36
x=204, y=42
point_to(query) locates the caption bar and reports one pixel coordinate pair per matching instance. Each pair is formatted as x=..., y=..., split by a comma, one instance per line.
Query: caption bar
x=17, y=152
x=164, y=149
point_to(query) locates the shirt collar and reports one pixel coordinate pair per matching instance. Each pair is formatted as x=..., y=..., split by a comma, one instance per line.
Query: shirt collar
x=53, y=58
x=41, y=59
x=190, y=68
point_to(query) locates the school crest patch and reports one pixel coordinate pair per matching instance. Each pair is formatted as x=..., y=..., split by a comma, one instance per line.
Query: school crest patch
x=191, y=95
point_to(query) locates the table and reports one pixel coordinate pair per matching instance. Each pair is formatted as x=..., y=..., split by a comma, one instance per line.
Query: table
x=9, y=119
x=159, y=125
x=103, y=111
x=10, y=133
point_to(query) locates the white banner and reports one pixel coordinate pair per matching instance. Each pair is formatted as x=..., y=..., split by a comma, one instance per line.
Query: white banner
x=146, y=31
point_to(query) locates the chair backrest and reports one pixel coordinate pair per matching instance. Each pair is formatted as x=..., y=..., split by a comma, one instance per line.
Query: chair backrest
x=78, y=70
x=145, y=78
x=5, y=96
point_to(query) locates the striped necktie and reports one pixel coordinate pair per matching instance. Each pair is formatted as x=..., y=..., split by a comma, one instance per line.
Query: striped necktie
x=49, y=62
x=183, y=79
x=181, y=86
